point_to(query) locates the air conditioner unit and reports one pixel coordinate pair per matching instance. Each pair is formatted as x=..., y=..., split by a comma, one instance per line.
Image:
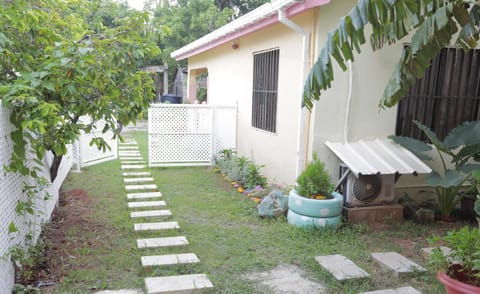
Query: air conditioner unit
x=367, y=190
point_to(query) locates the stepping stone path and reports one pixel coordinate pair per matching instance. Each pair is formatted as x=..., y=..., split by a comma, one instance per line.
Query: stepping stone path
x=397, y=263
x=341, y=267
x=144, y=194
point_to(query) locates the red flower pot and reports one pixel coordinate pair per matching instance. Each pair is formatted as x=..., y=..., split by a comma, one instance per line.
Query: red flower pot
x=456, y=285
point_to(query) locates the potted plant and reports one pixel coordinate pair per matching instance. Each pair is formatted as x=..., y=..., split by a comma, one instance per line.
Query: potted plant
x=457, y=153
x=459, y=269
x=313, y=203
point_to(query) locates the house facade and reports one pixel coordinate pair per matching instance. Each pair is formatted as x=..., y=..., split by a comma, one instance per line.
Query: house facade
x=259, y=62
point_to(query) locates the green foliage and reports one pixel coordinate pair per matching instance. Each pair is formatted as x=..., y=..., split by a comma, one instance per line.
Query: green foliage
x=465, y=250
x=202, y=94
x=461, y=147
x=314, y=180
x=432, y=23
x=26, y=262
x=240, y=169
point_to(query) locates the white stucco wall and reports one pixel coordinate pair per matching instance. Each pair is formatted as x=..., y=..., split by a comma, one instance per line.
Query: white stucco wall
x=370, y=75
x=230, y=82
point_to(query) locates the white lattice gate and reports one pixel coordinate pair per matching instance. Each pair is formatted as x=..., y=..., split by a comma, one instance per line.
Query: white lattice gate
x=86, y=155
x=183, y=134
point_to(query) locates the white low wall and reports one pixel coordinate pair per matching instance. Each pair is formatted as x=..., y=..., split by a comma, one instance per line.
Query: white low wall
x=11, y=192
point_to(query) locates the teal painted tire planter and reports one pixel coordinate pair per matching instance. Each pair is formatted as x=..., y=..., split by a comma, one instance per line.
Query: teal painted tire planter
x=303, y=221
x=315, y=208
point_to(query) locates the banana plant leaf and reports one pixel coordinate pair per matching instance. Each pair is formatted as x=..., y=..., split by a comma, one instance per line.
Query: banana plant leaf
x=417, y=147
x=466, y=134
x=452, y=178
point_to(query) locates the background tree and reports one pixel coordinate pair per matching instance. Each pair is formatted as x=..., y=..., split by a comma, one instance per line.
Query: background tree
x=61, y=60
x=434, y=24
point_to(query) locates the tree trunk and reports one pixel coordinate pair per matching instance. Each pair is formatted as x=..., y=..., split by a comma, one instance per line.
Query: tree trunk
x=57, y=160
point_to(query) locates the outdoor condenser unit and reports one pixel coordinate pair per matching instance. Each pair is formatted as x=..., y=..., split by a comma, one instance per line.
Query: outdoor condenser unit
x=366, y=190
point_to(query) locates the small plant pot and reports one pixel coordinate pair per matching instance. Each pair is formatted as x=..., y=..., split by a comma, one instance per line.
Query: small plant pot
x=303, y=221
x=315, y=208
x=456, y=286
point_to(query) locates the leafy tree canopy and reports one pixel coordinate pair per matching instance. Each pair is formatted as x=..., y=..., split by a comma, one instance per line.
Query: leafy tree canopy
x=434, y=24
x=64, y=59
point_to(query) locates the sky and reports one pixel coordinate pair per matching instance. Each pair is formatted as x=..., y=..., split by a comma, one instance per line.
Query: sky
x=137, y=4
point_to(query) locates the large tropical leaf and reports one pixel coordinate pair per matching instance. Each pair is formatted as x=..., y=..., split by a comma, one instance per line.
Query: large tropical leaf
x=434, y=23
x=452, y=178
x=432, y=137
x=466, y=134
x=417, y=147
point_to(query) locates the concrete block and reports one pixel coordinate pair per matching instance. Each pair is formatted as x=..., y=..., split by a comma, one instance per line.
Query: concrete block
x=141, y=187
x=138, y=204
x=137, y=180
x=169, y=259
x=156, y=226
x=401, y=290
x=375, y=214
x=178, y=284
x=341, y=267
x=150, y=213
x=397, y=263
x=162, y=242
x=144, y=195
x=134, y=166
x=136, y=174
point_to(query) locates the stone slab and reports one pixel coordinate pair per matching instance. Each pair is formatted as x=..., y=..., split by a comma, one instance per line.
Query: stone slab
x=134, y=166
x=138, y=204
x=133, y=162
x=169, y=259
x=123, y=148
x=401, y=290
x=178, y=284
x=427, y=252
x=162, y=242
x=156, y=226
x=144, y=195
x=341, y=267
x=136, y=174
x=129, y=152
x=121, y=291
x=397, y=263
x=128, y=143
x=137, y=180
x=375, y=214
x=141, y=187
x=150, y=213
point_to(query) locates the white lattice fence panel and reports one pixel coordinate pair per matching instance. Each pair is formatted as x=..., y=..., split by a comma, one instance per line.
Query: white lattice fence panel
x=189, y=134
x=180, y=135
x=11, y=193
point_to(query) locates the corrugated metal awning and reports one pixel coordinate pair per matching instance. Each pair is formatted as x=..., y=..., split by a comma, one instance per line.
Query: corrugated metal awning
x=378, y=157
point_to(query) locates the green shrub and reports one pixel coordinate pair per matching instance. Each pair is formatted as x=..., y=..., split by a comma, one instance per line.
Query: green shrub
x=314, y=180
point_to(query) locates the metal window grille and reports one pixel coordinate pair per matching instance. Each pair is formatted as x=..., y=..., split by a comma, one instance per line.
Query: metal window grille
x=265, y=90
x=447, y=96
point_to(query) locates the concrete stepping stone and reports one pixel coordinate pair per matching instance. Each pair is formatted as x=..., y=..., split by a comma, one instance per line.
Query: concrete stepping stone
x=136, y=174
x=134, y=166
x=150, y=213
x=129, y=152
x=427, y=252
x=127, y=148
x=138, y=204
x=123, y=158
x=141, y=187
x=177, y=284
x=122, y=291
x=137, y=180
x=396, y=262
x=126, y=143
x=401, y=290
x=156, y=226
x=144, y=195
x=169, y=259
x=162, y=242
x=341, y=267
x=133, y=161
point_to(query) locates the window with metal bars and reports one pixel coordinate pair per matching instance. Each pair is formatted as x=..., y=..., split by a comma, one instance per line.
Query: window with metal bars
x=447, y=96
x=265, y=88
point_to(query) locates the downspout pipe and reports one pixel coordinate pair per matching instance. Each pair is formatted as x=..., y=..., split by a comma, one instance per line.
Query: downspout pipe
x=301, y=144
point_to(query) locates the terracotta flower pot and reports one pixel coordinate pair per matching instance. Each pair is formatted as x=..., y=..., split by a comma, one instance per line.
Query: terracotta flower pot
x=456, y=286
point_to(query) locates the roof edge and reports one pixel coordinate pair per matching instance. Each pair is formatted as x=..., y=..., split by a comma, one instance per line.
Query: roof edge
x=255, y=20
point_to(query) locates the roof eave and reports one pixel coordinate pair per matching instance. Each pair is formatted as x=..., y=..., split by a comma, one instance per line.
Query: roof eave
x=257, y=19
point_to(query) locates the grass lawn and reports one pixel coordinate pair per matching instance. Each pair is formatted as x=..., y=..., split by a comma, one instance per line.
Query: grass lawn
x=226, y=234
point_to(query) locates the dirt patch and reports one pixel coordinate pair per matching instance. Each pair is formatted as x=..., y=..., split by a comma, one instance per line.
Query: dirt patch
x=63, y=236
x=287, y=279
